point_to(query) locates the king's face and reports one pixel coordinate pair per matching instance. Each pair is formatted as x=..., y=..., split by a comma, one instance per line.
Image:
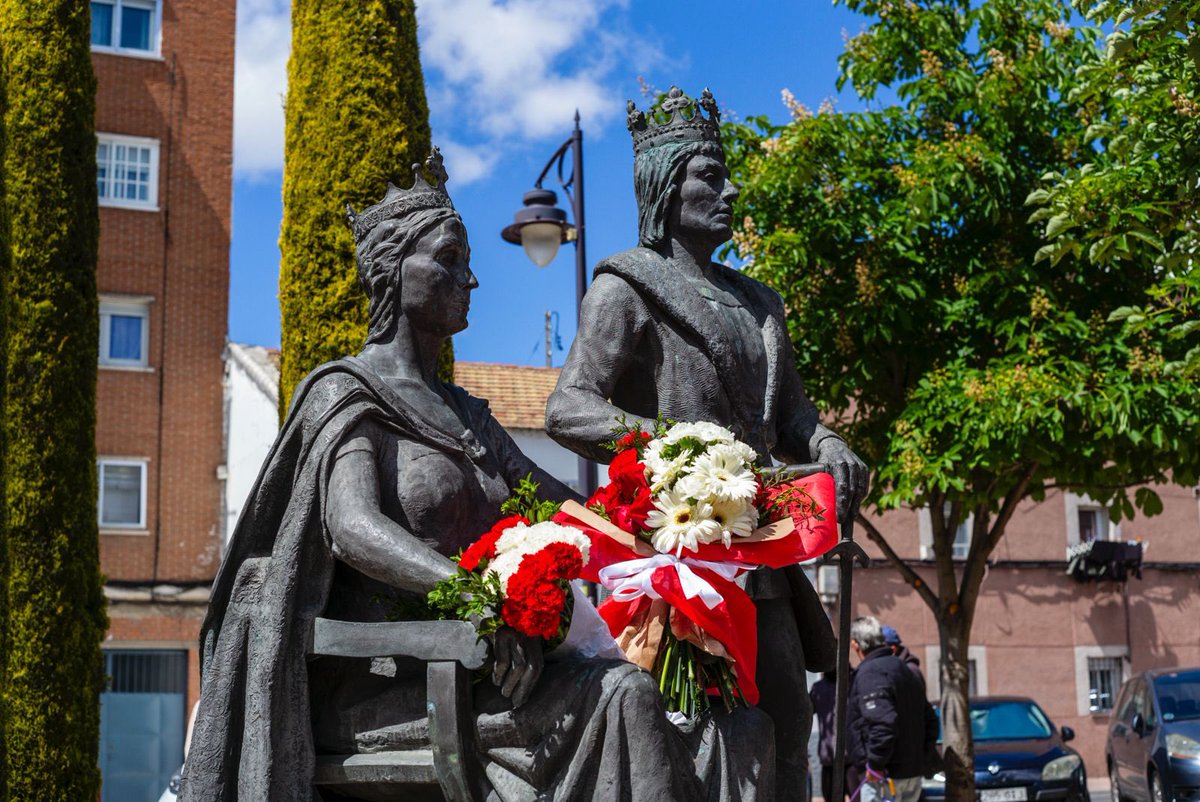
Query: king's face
x=703, y=210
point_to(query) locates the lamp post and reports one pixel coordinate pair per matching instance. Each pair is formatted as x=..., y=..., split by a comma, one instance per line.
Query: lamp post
x=540, y=226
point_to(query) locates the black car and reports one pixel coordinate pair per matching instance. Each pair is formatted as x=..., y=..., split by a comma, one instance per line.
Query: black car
x=1020, y=756
x=1153, y=746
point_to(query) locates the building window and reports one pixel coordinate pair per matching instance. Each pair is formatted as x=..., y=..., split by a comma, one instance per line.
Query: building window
x=124, y=333
x=962, y=534
x=1099, y=671
x=126, y=26
x=1105, y=675
x=122, y=493
x=1093, y=523
x=977, y=673
x=1088, y=521
x=127, y=171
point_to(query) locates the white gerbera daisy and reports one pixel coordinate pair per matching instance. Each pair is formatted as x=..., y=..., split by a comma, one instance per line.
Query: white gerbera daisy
x=652, y=456
x=671, y=470
x=736, y=519
x=677, y=525
x=724, y=474
x=689, y=485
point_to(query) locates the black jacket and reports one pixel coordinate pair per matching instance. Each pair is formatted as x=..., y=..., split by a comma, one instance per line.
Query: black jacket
x=912, y=661
x=889, y=724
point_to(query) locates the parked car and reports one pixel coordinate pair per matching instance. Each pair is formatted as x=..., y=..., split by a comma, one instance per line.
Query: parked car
x=1020, y=756
x=1153, y=745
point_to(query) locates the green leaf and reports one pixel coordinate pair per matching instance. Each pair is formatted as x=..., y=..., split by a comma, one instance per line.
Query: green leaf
x=1122, y=312
x=1148, y=501
x=1058, y=224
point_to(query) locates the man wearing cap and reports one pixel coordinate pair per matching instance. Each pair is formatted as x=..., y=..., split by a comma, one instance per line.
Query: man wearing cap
x=892, y=638
x=890, y=727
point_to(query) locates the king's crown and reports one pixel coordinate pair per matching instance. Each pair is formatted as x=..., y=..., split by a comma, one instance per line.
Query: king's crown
x=676, y=118
x=400, y=202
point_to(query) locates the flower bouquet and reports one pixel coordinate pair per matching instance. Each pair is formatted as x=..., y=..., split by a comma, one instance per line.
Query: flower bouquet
x=685, y=514
x=518, y=574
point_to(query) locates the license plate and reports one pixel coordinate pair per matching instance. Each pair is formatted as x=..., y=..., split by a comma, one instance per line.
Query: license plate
x=1003, y=794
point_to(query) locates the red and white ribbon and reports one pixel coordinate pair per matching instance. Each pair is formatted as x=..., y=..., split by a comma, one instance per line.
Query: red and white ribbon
x=632, y=579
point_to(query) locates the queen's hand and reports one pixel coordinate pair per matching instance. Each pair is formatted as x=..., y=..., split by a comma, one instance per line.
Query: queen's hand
x=518, y=663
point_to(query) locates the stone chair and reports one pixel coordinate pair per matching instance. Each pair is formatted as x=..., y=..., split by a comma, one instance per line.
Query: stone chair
x=444, y=770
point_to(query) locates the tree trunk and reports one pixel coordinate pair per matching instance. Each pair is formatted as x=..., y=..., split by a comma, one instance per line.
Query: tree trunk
x=55, y=600
x=958, y=748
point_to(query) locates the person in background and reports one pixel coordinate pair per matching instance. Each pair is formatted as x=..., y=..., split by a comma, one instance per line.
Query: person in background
x=892, y=638
x=824, y=699
x=890, y=727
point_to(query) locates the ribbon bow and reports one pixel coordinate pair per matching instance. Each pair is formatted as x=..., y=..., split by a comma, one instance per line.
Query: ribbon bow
x=632, y=579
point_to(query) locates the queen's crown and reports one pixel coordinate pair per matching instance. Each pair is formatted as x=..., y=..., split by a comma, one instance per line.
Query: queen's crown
x=676, y=118
x=399, y=202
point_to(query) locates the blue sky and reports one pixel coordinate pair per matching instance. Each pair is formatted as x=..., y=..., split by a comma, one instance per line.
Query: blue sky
x=503, y=80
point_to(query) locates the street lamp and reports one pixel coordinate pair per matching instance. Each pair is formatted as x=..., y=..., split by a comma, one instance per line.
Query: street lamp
x=540, y=226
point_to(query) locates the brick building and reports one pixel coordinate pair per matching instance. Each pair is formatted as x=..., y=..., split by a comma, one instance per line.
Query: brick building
x=1038, y=632
x=164, y=123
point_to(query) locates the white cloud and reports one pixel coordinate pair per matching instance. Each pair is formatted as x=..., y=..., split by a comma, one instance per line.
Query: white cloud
x=264, y=38
x=497, y=66
x=465, y=164
x=496, y=71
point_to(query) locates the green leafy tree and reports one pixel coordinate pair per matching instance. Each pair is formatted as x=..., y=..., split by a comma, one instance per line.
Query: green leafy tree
x=1136, y=199
x=356, y=118
x=969, y=374
x=54, y=596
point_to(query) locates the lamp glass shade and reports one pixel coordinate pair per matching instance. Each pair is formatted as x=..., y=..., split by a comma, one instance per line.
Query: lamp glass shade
x=541, y=241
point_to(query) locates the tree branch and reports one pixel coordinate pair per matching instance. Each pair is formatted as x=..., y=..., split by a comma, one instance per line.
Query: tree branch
x=942, y=540
x=910, y=576
x=984, y=542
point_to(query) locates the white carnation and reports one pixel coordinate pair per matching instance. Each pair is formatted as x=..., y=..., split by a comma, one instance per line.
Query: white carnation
x=518, y=541
x=504, y=566
x=528, y=539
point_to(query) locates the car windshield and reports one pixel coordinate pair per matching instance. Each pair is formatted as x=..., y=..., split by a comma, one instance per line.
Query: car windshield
x=1008, y=721
x=1178, y=695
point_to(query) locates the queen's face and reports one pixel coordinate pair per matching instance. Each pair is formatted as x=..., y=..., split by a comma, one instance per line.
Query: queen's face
x=436, y=281
x=703, y=209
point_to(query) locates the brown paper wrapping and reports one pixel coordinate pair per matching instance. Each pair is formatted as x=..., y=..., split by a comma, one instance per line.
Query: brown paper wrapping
x=642, y=639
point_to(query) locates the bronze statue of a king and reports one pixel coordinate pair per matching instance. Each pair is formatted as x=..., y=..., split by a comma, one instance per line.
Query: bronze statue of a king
x=665, y=330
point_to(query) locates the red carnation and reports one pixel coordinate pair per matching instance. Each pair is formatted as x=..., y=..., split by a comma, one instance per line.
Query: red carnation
x=537, y=591
x=485, y=547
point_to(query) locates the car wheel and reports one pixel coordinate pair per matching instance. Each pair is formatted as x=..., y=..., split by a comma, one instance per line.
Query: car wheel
x=1112, y=781
x=1157, y=792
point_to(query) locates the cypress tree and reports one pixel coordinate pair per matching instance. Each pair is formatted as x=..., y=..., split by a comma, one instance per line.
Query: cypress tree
x=356, y=118
x=4, y=264
x=55, y=600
